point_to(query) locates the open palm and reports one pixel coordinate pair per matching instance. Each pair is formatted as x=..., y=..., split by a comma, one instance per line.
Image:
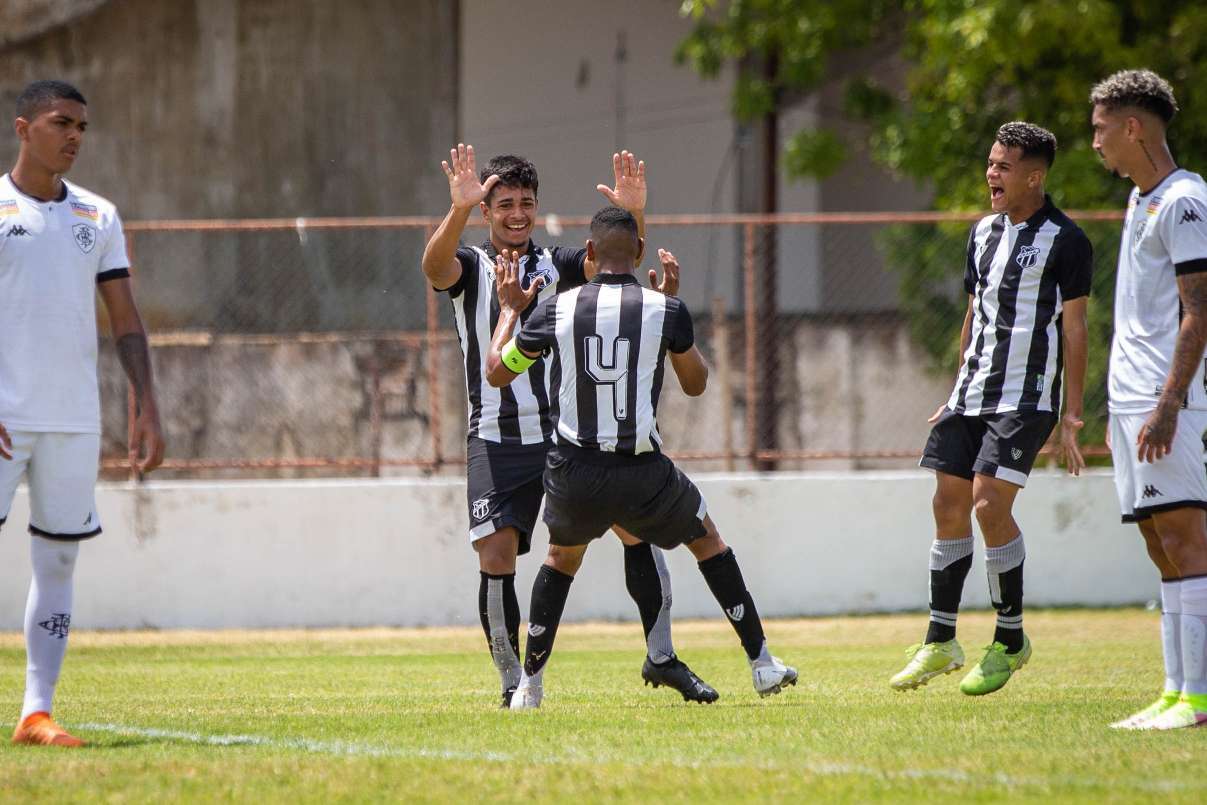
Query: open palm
x=464, y=188
x=629, y=192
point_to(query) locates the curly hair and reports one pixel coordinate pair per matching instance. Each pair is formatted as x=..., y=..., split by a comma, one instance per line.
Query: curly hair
x=1142, y=89
x=513, y=171
x=1032, y=139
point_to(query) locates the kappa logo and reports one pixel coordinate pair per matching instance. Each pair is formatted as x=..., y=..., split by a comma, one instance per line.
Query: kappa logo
x=1190, y=217
x=85, y=237
x=535, y=630
x=1027, y=256
x=736, y=613
x=17, y=232
x=59, y=624
x=1015, y=453
x=480, y=508
x=88, y=519
x=1151, y=491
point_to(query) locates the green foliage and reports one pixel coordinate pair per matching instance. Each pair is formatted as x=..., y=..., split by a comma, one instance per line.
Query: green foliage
x=971, y=66
x=817, y=152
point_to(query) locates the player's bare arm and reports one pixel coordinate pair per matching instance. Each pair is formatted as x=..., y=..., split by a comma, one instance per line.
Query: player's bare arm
x=6, y=444
x=691, y=370
x=513, y=300
x=628, y=192
x=146, y=445
x=1155, y=439
x=669, y=284
x=466, y=191
x=1076, y=349
x=965, y=337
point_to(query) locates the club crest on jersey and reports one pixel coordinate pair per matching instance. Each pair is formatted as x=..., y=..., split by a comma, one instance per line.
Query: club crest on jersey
x=1027, y=256
x=85, y=237
x=480, y=508
x=542, y=273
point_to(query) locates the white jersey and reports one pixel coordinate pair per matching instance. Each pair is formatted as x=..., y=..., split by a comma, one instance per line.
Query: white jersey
x=1164, y=235
x=52, y=255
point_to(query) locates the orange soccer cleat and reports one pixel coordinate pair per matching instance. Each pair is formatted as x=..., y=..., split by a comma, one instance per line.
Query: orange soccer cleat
x=39, y=729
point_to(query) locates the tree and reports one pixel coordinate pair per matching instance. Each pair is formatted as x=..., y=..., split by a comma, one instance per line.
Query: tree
x=972, y=65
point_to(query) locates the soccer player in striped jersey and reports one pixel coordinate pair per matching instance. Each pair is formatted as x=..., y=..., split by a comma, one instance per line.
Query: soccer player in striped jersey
x=608, y=342
x=1027, y=274
x=60, y=245
x=511, y=429
x=1157, y=399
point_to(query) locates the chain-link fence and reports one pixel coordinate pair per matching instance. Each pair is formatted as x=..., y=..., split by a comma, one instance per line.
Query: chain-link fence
x=315, y=347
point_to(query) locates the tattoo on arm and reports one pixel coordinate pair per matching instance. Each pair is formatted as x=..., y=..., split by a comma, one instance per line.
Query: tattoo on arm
x=135, y=355
x=1192, y=335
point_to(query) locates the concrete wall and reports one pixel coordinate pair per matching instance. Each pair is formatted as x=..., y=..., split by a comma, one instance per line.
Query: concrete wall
x=348, y=553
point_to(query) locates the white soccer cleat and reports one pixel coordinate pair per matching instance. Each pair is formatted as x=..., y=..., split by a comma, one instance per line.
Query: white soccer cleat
x=772, y=677
x=528, y=695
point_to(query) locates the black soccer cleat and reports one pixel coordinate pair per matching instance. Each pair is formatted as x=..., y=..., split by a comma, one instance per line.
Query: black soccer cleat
x=507, y=694
x=674, y=673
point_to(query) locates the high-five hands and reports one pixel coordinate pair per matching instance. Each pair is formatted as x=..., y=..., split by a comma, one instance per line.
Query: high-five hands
x=669, y=284
x=629, y=192
x=507, y=282
x=464, y=187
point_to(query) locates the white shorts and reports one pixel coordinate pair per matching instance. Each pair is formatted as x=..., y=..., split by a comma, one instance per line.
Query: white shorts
x=61, y=470
x=1176, y=481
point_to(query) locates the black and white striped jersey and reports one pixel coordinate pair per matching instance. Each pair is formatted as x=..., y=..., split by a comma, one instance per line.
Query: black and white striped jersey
x=519, y=413
x=1019, y=276
x=608, y=341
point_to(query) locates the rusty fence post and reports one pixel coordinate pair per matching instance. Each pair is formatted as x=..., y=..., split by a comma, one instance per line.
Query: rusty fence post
x=751, y=321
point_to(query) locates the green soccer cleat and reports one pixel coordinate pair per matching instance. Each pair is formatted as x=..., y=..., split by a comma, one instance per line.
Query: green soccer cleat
x=926, y=661
x=1136, y=721
x=1182, y=714
x=995, y=669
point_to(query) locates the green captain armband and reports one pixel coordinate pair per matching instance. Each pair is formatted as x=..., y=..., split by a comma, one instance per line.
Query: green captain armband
x=515, y=359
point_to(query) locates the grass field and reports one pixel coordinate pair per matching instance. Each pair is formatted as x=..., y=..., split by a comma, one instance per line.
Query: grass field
x=408, y=715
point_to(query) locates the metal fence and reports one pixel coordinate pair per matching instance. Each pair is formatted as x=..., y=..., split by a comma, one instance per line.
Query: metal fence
x=315, y=347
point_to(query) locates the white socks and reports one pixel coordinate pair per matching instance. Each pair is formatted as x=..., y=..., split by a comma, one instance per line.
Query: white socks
x=1171, y=633
x=1194, y=635
x=47, y=619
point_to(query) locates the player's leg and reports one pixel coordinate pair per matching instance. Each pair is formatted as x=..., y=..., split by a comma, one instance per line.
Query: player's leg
x=62, y=480
x=950, y=451
x=575, y=517
x=721, y=572
x=1167, y=498
x=649, y=584
x=503, y=496
x=1008, y=451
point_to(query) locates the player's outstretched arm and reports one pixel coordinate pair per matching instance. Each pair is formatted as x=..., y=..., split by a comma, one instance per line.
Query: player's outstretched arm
x=146, y=437
x=440, y=263
x=628, y=192
x=506, y=361
x=1076, y=347
x=1155, y=439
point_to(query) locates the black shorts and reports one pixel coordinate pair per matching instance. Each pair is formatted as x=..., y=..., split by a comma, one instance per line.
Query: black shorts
x=646, y=495
x=504, y=488
x=1002, y=446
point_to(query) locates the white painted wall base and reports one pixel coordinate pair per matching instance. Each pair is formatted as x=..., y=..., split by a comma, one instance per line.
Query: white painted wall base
x=359, y=553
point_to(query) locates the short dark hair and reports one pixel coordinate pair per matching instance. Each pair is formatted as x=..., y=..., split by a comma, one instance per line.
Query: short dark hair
x=513, y=171
x=610, y=219
x=1034, y=140
x=40, y=94
x=1142, y=89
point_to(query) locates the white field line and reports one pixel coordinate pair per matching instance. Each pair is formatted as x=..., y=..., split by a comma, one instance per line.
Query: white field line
x=821, y=768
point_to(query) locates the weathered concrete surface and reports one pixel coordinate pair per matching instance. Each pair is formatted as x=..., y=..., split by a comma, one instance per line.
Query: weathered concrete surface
x=253, y=108
x=21, y=20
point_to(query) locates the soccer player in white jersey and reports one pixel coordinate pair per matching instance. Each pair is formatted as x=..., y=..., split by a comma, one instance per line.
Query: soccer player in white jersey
x=1157, y=400
x=511, y=429
x=1027, y=274
x=59, y=245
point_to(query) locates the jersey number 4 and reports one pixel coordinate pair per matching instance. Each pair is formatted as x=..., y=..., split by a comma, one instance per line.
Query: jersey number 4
x=614, y=372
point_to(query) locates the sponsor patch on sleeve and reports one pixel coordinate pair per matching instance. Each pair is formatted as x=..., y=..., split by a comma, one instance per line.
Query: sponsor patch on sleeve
x=84, y=210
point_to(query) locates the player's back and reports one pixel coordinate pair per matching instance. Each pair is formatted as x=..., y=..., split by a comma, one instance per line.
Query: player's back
x=609, y=340
x=1164, y=235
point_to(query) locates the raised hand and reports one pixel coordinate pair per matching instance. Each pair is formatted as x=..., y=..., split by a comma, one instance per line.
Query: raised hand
x=507, y=282
x=629, y=192
x=670, y=274
x=464, y=187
